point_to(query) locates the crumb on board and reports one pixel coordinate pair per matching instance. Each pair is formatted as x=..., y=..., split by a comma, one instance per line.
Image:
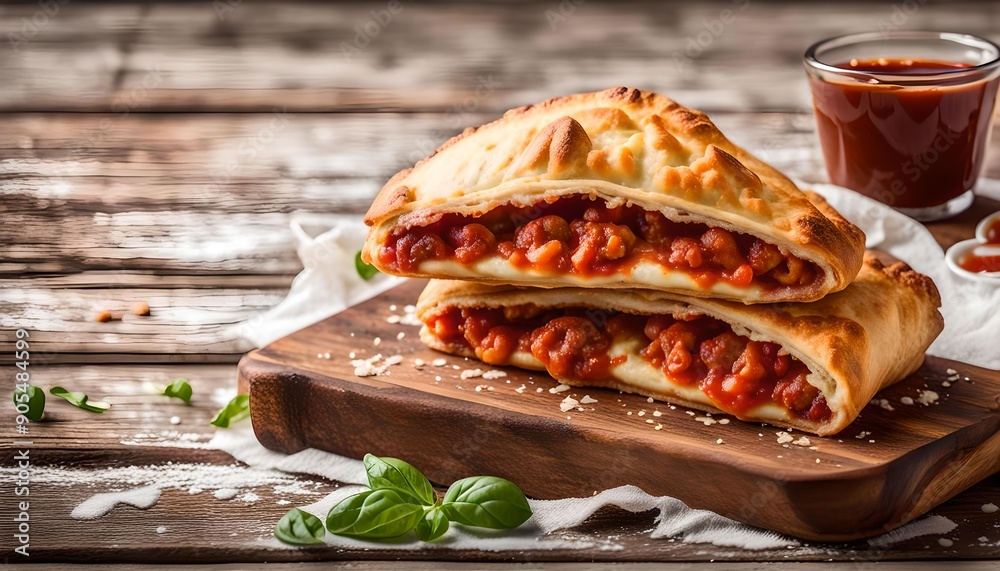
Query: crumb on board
x=587, y=400
x=471, y=374
x=990, y=508
x=906, y=400
x=802, y=441
x=784, y=437
x=439, y=362
x=568, y=404
x=927, y=397
x=140, y=308
x=560, y=388
x=719, y=441
x=103, y=316
x=494, y=374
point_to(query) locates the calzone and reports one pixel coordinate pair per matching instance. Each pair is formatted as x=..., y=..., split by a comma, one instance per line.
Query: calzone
x=616, y=189
x=811, y=366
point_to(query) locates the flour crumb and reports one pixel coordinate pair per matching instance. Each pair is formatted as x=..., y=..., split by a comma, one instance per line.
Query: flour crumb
x=705, y=420
x=784, y=437
x=587, y=400
x=161, y=529
x=945, y=542
x=802, y=441
x=927, y=397
x=471, y=374
x=561, y=388
x=439, y=362
x=225, y=493
x=990, y=508
x=906, y=400
x=568, y=404
x=394, y=360
x=494, y=374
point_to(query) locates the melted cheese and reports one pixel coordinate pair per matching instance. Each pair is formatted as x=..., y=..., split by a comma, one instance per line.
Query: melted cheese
x=644, y=273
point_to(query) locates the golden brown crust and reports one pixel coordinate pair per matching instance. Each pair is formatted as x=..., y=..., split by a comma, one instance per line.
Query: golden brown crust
x=856, y=342
x=623, y=145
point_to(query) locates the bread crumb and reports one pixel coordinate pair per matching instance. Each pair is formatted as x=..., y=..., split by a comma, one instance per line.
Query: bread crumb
x=927, y=397
x=658, y=427
x=650, y=399
x=175, y=420
x=418, y=362
x=103, y=316
x=802, y=441
x=817, y=460
x=945, y=542
x=439, y=362
x=587, y=400
x=140, y=308
x=784, y=437
x=705, y=420
x=393, y=319
x=649, y=421
x=471, y=374
x=951, y=372
x=568, y=404
x=657, y=413
x=723, y=421
x=862, y=434
x=719, y=441
x=400, y=335
x=990, y=508
x=561, y=388
x=906, y=400
x=394, y=360
x=494, y=374
x=642, y=413
x=520, y=389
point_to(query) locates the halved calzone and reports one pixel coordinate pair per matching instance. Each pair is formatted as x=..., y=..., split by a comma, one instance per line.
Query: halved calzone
x=811, y=366
x=617, y=189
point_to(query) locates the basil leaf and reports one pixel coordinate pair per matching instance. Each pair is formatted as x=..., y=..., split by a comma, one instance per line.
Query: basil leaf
x=34, y=397
x=365, y=270
x=179, y=389
x=299, y=528
x=486, y=501
x=375, y=514
x=397, y=475
x=433, y=525
x=235, y=411
x=79, y=400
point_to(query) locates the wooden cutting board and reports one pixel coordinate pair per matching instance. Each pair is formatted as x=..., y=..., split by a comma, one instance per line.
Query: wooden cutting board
x=887, y=468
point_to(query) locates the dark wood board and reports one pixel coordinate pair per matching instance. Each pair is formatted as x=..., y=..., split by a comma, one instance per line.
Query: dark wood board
x=887, y=468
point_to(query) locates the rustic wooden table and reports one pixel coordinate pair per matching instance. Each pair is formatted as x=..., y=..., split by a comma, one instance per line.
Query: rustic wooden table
x=156, y=152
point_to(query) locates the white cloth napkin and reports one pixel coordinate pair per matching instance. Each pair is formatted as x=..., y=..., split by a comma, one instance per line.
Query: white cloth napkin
x=329, y=283
x=971, y=309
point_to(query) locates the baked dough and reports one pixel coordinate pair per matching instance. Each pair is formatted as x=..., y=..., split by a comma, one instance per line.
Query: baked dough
x=623, y=147
x=854, y=342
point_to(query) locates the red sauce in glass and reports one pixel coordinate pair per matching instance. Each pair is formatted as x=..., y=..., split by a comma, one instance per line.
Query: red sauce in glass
x=985, y=258
x=737, y=374
x=908, y=147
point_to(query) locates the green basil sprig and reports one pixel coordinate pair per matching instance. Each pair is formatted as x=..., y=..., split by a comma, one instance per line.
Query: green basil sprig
x=365, y=270
x=299, y=528
x=400, y=499
x=235, y=411
x=179, y=389
x=34, y=397
x=404, y=479
x=486, y=501
x=79, y=400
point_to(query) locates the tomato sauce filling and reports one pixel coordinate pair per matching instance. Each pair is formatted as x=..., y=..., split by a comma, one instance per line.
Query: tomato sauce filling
x=580, y=235
x=734, y=372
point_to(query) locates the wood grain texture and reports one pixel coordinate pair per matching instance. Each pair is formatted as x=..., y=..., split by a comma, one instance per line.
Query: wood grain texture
x=885, y=469
x=429, y=56
x=137, y=432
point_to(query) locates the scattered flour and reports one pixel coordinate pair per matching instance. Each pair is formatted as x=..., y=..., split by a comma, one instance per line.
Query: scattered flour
x=161, y=529
x=225, y=493
x=99, y=505
x=930, y=525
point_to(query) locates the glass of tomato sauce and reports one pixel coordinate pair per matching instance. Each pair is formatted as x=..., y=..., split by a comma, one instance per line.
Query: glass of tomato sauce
x=904, y=117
